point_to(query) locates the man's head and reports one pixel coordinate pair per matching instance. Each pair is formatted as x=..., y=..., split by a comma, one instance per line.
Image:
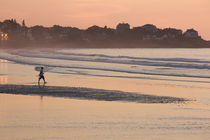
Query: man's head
x=42, y=68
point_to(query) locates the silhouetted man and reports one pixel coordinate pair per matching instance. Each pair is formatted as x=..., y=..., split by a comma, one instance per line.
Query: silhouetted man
x=41, y=75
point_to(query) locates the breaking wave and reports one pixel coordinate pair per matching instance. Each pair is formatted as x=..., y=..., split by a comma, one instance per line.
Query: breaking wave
x=106, y=63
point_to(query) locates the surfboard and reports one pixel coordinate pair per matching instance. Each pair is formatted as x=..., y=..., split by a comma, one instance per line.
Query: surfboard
x=38, y=68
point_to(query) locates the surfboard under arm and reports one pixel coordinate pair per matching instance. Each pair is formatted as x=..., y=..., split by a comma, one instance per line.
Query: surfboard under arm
x=38, y=68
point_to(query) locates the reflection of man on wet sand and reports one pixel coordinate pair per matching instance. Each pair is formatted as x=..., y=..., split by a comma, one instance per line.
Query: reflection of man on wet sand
x=41, y=75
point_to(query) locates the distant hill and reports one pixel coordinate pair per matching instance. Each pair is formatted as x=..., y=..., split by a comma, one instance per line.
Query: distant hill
x=14, y=34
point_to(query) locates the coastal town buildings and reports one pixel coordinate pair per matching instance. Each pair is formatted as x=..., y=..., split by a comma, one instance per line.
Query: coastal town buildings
x=15, y=33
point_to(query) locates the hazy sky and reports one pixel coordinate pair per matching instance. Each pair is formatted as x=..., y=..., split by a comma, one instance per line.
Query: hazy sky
x=181, y=14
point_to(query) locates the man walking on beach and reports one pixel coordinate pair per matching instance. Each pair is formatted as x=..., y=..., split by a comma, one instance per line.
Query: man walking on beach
x=41, y=75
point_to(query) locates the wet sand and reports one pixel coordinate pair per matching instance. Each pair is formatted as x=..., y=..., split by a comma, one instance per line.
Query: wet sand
x=87, y=93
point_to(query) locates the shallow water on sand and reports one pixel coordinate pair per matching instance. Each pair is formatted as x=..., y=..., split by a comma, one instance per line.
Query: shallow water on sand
x=37, y=117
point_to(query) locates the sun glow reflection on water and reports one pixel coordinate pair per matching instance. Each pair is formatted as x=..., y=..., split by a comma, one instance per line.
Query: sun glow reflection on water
x=37, y=117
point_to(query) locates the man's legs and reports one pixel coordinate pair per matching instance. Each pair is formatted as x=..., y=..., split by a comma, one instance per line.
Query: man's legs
x=41, y=77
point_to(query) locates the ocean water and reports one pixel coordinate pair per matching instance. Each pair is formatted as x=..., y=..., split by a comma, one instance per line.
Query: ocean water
x=169, y=72
x=166, y=64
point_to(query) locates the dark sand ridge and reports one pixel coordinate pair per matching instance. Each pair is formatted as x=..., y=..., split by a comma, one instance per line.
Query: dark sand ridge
x=87, y=93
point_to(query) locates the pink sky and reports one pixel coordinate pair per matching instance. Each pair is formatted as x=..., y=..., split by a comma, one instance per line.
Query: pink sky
x=183, y=14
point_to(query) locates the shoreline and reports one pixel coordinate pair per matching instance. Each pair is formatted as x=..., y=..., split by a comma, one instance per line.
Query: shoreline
x=70, y=46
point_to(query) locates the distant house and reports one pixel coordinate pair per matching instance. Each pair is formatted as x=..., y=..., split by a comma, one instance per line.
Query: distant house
x=97, y=33
x=171, y=33
x=191, y=33
x=149, y=28
x=95, y=29
x=122, y=27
